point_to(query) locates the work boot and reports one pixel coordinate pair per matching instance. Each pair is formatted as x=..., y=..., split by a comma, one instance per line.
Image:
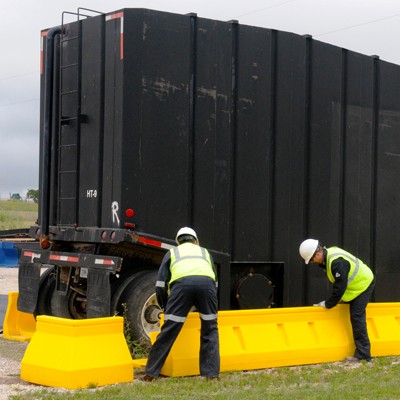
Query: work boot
x=352, y=359
x=212, y=378
x=147, y=378
x=355, y=359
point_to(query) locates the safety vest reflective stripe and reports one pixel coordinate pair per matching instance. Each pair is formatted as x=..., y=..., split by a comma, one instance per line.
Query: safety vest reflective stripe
x=360, y=275
x=179, y=257
x=354, y=259
x=208, y=317
x=160, y=284
x=175, y=318
x=189, y=259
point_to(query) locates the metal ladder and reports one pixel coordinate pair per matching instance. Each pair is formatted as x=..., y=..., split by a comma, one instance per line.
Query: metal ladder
x=70, y=118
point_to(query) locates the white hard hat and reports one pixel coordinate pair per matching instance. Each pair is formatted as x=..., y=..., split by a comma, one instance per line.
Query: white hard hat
x=186, y=231
x=308, y=248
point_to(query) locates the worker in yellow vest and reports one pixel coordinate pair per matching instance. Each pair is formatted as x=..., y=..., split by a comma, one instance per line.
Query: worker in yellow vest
x=353, y=282
x=187, y=277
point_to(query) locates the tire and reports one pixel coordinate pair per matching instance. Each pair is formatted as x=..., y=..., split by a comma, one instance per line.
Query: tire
x=46, y=288
x=142, y=309
x=72, y=305
x=50, y=302
x=118, y=288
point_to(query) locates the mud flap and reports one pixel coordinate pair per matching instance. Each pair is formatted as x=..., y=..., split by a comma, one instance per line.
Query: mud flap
x=28, y=285
x=98, y=293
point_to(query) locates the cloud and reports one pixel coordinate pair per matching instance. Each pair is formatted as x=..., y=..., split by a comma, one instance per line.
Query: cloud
x=366, y=26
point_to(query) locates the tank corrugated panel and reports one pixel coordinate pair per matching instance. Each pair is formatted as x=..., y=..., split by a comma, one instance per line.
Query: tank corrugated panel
x=255, y=137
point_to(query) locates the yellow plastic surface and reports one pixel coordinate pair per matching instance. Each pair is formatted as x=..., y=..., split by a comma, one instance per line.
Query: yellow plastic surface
x=383, y=321
x=18, y=326
x=256, y=339
x=139, y=362
x=75, y=354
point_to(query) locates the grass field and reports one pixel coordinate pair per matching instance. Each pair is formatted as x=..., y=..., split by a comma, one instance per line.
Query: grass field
x=378, y=379
x=15, y=214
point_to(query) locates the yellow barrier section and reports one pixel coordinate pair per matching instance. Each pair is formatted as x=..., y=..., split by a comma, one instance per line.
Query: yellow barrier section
x=139, y=362
x=18, y=326
x=256, y=339
x=76, y=354
x=383, y=321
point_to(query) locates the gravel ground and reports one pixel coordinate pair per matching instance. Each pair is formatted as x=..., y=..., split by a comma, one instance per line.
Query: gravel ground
x=8, y=280
x=10, y=366
x=12, y=352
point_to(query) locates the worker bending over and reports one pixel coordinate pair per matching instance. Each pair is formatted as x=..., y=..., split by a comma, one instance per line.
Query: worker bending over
x=187, y=278
x=353, y=282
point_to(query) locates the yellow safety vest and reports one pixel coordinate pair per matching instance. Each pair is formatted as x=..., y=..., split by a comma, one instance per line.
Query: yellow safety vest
x=189, y=259
x=359, y=278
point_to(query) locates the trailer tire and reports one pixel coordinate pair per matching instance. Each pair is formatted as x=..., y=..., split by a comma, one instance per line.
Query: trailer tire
x=71, y=305
x=59, y=305
x=119, y=287
x=46, y=288
x=142, y=309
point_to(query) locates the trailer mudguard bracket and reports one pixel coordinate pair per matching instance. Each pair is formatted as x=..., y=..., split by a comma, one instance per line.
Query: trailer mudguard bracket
x=28, y=283
x=98, y=293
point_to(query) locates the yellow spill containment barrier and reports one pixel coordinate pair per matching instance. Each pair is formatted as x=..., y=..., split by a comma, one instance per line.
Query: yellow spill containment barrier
x=383, y=321
x=257, y=339
x=18, y=326
x=76, y=354
x=249, y=339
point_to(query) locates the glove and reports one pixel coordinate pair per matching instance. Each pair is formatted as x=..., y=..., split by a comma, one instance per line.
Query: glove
x=320, y=304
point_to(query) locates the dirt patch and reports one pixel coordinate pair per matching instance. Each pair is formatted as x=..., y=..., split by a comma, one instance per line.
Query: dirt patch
x=11, y=352
x=8, y=280
x=10, y=367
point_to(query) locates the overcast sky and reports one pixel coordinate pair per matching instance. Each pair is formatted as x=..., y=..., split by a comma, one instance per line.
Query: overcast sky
x=370, y=27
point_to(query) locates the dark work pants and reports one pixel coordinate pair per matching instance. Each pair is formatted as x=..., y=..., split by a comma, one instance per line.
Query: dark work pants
x=358, y=318
x=198, y=291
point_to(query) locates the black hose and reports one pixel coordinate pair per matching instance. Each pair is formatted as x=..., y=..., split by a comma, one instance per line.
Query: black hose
x=47, y=135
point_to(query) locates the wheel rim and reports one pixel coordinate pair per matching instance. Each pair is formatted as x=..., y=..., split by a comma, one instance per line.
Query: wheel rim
x=77, y=305
x=150, y=316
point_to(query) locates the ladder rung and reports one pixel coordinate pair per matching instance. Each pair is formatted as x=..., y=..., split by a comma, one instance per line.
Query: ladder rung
x=68, y=118
x=69, y=92
x=69, y=39
x=69, y=73
x=69, y=65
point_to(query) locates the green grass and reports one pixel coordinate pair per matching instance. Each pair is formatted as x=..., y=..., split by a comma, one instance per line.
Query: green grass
x=379, y=379
x=17, y=214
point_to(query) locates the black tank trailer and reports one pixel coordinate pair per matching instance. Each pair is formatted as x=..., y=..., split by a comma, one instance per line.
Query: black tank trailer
x=254, y=137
